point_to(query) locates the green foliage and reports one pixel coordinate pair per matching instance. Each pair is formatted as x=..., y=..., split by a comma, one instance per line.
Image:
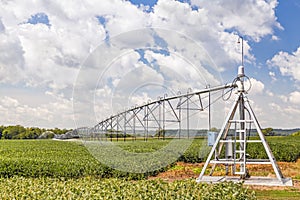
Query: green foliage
x=48, y=158
x=39, y=158
x=31, y=133
x=1, y=130
x=47, y=169
x=93, y=188
x=214, y=129
x=296, y=133
x=117, y=135
x=111, y=133
x=58, y=131
x=36, y=158
x=197, y=152
x=20, y=132
x=13, y=132
x=268, y=131
x=284, y=148
x=290, y=194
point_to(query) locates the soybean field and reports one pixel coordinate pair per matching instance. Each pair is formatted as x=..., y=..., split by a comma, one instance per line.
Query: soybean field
x=50, y=169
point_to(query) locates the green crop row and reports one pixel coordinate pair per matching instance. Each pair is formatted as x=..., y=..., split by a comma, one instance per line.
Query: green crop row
x=285, y=149
x=134, y=160
x=48, y=158
x=92, y=188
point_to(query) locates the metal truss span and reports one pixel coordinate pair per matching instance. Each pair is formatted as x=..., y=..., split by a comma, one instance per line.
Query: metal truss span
x=153, y=117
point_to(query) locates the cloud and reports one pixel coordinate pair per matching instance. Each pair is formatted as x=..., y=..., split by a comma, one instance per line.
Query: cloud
x=9, y=102
x=269, y=93
x=275, y=38
x=288, y=64
x=11, y=59
x=274, y=111
x=294, y=97
x=139, y=99
x=283, y=98
x=177, y=76
x=215, y=24
x=47, y=55
x=273, y=76
x=275, y=106
x=2, y=28
x=48, y=51
x=75, y=30
x=257, y=87
x=49, y=115
x=252, y=18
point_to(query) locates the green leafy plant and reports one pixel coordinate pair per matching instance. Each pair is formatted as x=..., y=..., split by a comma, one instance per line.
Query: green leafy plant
x=93, y=188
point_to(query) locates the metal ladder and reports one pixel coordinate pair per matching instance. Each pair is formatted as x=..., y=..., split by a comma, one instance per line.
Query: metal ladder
x=240, y=153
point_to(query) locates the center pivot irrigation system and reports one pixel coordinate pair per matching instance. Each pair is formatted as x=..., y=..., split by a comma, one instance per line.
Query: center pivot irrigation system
x=240, y=118
x=229, y=145
x=154, y=116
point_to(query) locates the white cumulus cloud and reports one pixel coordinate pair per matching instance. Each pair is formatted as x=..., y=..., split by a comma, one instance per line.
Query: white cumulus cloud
x=295, y=97
x=254, y=18
x=288, y=64
x=48, y=56
x=257, y=87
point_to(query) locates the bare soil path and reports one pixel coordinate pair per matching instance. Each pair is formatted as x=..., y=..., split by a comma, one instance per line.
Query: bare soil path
x=187, y=170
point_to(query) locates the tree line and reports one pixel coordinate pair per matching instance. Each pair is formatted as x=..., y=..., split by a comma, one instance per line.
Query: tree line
x=20, y=132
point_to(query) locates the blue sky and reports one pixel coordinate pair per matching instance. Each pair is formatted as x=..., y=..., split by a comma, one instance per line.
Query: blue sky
x=287, y=12
x=47, y=46
x=151, y=3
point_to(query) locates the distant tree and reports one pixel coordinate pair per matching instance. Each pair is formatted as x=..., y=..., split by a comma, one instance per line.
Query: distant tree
x=13, y=132
x=296, y=133
x=214, y=129
x=2, y=128
x=58, y=131
x=268, y=131
x=19, y=132
x=43, y=130
x=65, y=130
x=31, y=133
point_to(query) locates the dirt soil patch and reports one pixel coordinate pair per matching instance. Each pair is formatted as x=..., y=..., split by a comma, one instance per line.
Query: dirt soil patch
x=180, y=171
x=187, y=170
